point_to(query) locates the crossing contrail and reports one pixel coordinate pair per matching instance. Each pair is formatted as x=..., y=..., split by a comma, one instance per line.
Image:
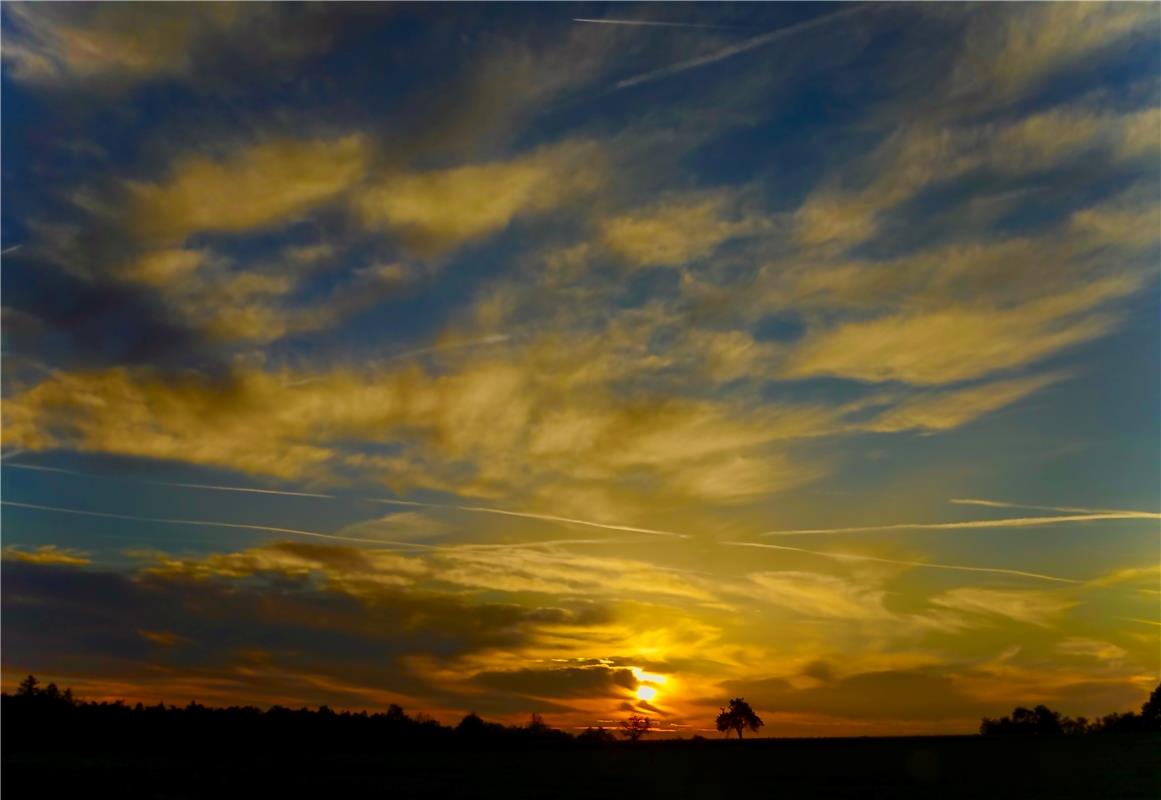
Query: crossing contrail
x=927, y=564
x=410, y=503
x=498, y=338
x=213, y=524
x=1017, y=522
x=530, y=515
x=652, y=23
x=740, y=47
x=212, y=487
x=1062, y=509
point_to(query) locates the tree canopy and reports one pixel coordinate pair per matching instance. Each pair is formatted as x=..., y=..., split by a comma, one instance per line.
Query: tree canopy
x=738, y=716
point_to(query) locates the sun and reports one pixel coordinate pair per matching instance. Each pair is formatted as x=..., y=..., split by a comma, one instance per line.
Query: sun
x=647, y=683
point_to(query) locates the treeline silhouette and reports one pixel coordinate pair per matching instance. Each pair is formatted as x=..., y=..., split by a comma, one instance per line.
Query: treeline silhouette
x=48, y=719
x=1043, y=721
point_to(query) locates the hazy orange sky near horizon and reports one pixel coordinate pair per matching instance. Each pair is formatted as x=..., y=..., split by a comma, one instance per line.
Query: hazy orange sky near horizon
x=585, y=359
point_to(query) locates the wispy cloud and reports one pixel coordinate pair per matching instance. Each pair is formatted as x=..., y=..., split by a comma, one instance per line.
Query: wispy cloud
x=740, y=47
x=927, y=564
x=1031, y=607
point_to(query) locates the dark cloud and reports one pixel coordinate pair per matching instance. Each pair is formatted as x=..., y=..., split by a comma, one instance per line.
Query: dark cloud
x=908, y=694
x=257, y=640
x=567, y=682
x=819, y=670
x=66, y=320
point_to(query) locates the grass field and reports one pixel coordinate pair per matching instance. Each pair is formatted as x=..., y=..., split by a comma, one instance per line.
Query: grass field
x=1089, y=767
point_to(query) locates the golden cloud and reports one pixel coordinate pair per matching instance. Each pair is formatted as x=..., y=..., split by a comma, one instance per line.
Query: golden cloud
x=47, y=554
x=674, y=231
x=437, y=210
x=269, y=183
x=958, y=343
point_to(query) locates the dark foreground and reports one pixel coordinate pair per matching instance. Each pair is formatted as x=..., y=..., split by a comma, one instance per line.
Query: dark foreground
x=1085, y=767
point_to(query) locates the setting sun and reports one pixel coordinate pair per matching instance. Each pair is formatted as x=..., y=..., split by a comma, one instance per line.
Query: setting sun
x=646, y=693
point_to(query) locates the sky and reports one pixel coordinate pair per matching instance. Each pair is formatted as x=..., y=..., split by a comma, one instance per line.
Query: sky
x=585, y=359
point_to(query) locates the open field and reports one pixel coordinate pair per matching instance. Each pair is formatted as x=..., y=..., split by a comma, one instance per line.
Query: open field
x=1086, y=767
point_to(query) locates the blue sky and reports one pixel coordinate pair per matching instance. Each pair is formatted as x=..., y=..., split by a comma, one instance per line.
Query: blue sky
x=523, y=358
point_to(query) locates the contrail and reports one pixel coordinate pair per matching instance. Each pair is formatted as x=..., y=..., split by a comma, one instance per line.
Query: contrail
x=532, y=545
x=413, y=503
x=240, y=489
x=180, y=485
x=483, y=340
x=1142, y=621
x=10, y=454
x=529, y=515
x=652, y=23
x=928, y=564
x=740, y=47
x=1018, y=522
x=1061, y=509
x=11, y=249
x=234, y=525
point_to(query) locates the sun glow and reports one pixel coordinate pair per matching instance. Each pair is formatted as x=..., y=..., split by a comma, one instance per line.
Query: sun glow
x=647, y=683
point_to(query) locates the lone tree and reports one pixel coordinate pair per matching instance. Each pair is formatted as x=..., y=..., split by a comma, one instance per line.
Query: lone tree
x=738, y=717
x=635, y=727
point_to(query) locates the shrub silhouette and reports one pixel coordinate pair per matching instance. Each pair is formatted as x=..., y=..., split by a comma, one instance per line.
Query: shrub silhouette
x=596, y=735
x=635, y=727
x=738, y=717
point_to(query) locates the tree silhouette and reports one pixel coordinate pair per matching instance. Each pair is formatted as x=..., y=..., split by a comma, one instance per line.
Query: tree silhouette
x=635, y=727
x=1151, y=710
x=737, y=717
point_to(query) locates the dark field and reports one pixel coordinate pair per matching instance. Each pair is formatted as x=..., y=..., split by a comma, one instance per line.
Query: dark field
x=1088, y=767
